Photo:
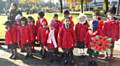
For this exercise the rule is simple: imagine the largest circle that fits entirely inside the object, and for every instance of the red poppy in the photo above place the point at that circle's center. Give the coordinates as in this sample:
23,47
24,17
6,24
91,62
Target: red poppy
100,43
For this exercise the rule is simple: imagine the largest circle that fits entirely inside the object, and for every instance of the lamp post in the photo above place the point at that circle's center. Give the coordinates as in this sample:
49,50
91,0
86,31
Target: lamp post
118,8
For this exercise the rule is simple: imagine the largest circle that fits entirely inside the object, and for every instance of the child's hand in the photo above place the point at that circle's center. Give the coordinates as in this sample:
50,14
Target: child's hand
27,41
10,42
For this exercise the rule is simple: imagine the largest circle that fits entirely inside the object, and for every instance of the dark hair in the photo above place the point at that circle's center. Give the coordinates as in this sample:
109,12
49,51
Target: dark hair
66,12
55,15
41,13
31,18
24,19
13,4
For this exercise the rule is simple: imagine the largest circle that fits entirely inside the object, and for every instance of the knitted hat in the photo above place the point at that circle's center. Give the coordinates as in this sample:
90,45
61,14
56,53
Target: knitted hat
18,17
53,23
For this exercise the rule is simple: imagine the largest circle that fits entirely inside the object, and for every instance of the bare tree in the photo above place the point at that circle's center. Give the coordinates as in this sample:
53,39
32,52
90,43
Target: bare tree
61,6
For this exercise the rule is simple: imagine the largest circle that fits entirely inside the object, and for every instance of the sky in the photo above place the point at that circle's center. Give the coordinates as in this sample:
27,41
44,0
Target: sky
96,0
52,1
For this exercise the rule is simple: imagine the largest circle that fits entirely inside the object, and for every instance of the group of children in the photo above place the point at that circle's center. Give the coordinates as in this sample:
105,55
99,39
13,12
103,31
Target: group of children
57,34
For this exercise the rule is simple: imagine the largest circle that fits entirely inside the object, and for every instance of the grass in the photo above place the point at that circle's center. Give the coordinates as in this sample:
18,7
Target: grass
47,15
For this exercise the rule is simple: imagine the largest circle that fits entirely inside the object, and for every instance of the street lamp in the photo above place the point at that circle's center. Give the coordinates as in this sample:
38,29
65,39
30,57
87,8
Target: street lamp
118,8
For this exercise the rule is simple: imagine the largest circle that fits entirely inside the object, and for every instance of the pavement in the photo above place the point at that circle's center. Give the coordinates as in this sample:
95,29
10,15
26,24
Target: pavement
38,61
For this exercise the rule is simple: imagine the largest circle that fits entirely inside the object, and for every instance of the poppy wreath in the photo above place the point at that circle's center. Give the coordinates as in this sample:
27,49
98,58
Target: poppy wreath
101,44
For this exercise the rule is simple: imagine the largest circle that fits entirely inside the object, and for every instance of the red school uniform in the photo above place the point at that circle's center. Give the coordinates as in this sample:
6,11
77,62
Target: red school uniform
81,30
42,35
11,35
38,22
111,29
66,38
24,36
32,29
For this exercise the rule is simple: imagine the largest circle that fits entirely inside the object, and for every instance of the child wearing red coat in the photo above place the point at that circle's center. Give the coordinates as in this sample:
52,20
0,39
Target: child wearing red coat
111,29
42,37
32,29
52,43
93,31
67,14
11,38
57,25
24,37
40,19
81,29
67,40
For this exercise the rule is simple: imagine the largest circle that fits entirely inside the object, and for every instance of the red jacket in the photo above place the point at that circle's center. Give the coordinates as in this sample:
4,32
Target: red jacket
24,36
111,29
81,30
89,36
38,23
66,38
42,35
11,36
32,33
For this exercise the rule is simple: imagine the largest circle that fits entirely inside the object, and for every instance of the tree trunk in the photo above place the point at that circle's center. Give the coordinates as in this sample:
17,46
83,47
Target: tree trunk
61,6
105,5
82,5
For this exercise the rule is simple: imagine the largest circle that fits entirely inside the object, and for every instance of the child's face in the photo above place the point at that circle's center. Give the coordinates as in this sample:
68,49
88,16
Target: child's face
23,22
17,21
51,27
82,18
44,23
56,18
29,21
67,21
110,16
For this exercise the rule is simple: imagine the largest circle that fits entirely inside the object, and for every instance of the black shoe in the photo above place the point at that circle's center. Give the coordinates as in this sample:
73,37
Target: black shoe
65,62
31,55
27,56
14,57
11,56
72,62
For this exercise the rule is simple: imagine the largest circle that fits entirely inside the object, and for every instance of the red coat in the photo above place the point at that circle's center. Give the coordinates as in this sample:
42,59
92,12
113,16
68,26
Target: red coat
81,30
42,35
89,36
32,33
38,23
11,36
101,24
24,36
67,38
111,29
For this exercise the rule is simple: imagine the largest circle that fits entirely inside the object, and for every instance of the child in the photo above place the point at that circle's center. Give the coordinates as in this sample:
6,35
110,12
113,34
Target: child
96,17
11,38
67,14
111,29
67,40
24,37
81,29
52,41
57,26
42,36
32,29
93,31
41,15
